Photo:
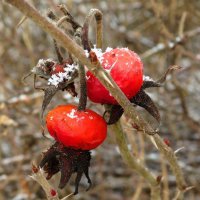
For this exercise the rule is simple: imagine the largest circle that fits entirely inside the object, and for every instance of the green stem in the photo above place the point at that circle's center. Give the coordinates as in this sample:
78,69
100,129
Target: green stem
133,163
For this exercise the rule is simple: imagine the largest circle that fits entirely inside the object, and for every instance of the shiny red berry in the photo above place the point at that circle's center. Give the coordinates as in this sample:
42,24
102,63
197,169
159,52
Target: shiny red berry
83,130
126,69
57,69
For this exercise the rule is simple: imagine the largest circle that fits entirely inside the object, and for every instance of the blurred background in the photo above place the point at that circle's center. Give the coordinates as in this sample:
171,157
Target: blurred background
163,33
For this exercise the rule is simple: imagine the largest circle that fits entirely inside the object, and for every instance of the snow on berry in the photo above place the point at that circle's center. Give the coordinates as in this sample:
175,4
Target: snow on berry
72,114
83,130
59,77
126,69
147,78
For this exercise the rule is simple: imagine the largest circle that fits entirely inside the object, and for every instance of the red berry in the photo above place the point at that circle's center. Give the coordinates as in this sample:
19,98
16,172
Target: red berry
58,68
126,70
83,130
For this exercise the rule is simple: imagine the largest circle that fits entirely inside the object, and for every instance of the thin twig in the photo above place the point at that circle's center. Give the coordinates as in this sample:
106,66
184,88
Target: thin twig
182,24
170,45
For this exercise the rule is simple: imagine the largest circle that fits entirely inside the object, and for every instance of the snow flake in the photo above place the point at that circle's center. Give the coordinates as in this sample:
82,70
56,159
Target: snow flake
51,118
125,48
42,62
147,78
86,53
91,117
108,49
98,53
61,76
72,114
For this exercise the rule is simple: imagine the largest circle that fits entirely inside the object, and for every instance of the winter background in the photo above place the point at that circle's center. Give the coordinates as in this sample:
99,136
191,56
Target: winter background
163,33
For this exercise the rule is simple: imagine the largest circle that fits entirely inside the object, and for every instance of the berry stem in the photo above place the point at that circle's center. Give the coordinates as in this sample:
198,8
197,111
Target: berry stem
99,30
70,19
59,56
83,89
52,16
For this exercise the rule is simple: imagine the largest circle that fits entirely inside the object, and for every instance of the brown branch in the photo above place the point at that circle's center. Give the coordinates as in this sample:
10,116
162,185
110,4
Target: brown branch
105,79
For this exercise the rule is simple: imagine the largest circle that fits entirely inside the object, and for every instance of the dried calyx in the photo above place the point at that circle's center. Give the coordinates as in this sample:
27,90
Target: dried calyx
59,158
60,76
141,99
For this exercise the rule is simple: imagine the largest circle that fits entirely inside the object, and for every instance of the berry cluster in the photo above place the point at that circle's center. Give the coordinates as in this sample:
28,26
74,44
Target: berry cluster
75,129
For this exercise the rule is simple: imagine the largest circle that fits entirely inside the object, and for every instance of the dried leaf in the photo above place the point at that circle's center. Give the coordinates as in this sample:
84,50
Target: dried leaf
148,84
7,121
113,115
49,92
142,99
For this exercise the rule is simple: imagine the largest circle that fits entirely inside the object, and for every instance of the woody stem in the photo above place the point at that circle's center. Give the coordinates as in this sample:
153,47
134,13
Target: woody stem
99,32
83,88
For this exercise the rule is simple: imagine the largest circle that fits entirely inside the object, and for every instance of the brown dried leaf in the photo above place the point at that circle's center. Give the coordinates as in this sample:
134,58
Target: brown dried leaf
7,121
142,99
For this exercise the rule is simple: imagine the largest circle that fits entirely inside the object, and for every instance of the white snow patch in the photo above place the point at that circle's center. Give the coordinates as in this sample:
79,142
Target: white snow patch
42,62
171,44
80,118
51,118
125,48
72,114
98,53
147,78
67,96
61,76
108,49
86,53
